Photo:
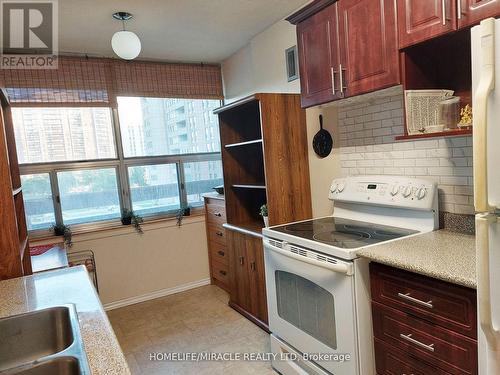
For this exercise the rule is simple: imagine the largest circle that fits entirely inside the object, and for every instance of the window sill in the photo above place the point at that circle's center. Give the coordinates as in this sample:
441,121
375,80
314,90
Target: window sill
106,229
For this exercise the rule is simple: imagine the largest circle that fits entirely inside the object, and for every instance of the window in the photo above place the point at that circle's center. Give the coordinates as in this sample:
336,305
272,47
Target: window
45,135
200,178
88,195
161,123
154,188
80,167
38,202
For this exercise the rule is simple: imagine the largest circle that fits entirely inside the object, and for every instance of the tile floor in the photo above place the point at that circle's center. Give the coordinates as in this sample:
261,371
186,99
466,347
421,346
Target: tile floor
198,320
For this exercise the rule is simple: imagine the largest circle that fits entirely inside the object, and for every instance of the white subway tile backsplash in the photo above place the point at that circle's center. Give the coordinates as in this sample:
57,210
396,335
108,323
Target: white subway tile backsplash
367,146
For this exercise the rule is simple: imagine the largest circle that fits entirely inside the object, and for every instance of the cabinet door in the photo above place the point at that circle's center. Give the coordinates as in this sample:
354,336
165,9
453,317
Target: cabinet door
240,282
258,301
420,20
471,12
318,57
368,41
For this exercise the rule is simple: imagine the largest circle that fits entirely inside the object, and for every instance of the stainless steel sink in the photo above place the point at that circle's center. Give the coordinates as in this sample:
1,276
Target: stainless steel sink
59,366
45,341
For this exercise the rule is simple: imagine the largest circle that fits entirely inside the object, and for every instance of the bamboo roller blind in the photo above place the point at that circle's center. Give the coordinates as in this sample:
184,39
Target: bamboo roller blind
98,81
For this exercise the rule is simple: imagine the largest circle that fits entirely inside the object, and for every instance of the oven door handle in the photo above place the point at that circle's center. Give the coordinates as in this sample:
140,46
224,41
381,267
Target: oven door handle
336,267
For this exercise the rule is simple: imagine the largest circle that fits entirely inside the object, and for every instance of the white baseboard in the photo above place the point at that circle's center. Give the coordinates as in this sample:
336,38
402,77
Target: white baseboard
155,294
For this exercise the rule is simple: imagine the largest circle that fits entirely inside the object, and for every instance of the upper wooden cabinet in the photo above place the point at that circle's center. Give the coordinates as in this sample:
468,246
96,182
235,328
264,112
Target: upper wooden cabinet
420,20
317,39
368,40
346,48
471,12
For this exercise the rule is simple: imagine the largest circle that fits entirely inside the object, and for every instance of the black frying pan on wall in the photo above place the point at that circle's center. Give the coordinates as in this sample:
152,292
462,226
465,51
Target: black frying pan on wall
322,141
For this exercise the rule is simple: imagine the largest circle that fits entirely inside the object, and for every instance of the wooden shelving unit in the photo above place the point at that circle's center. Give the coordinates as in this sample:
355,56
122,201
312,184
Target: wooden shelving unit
15,259
449,133
264,157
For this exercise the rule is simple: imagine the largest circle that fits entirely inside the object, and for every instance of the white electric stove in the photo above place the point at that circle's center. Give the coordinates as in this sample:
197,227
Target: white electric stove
318,289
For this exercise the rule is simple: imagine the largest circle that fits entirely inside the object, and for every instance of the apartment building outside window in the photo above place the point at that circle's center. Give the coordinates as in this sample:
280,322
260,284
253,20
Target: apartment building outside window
86,164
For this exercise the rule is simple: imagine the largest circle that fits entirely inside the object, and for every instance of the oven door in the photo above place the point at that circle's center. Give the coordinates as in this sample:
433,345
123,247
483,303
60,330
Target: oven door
311,303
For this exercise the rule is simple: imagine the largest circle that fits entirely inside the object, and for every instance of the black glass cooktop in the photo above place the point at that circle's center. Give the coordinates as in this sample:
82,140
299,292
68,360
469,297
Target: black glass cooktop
343,233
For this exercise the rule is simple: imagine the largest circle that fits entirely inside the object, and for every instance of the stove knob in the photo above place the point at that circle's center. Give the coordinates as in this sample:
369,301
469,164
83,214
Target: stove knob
394,190
341,187
407,191
422,192
333,188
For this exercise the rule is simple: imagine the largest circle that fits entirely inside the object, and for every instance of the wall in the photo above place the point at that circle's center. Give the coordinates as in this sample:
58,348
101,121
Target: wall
132,267
366,130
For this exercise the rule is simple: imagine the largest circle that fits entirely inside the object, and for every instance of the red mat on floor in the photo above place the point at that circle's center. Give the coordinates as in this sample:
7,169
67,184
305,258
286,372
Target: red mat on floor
39,250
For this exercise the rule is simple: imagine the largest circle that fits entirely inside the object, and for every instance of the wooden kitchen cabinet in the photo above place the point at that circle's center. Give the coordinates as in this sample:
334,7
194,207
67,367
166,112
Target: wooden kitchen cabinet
319,57
369,48
346,48
422,325
421,20
471,12
248,287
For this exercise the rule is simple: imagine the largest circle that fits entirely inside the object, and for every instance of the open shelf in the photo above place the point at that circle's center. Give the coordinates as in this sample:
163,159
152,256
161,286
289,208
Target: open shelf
17,190
243,186
247,143
449,133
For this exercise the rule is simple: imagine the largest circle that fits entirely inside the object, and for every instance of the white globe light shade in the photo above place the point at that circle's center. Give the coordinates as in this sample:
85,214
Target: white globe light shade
126,44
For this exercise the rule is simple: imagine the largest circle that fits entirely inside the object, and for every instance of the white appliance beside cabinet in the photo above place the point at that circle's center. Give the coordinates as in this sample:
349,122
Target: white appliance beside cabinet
318,289
486,125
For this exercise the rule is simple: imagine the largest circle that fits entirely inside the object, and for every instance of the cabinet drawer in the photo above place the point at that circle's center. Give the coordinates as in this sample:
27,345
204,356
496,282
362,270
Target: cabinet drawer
216,214
220,272
392,361
218,252
450,306
216,233
428,342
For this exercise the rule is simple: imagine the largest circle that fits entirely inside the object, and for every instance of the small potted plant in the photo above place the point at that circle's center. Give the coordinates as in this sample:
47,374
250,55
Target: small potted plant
264,214
131,218
65,232
183,211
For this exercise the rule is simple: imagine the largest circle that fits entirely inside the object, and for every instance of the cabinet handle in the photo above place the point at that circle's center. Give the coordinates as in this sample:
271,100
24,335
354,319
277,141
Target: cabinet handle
407,297
220,234
443,3
332,72
252,266
341,79
218,214
408,338
242,260
221,253
223,273
459,9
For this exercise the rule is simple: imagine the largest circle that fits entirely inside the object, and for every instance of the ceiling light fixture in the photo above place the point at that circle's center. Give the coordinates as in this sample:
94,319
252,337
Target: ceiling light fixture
125,44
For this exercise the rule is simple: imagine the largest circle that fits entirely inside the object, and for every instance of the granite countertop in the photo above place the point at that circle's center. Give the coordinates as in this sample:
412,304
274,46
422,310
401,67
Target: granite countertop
69,285
214,195
442,254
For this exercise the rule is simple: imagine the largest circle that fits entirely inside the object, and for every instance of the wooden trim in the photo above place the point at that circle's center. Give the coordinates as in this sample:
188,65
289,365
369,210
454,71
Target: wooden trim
309,10
449,133
249,316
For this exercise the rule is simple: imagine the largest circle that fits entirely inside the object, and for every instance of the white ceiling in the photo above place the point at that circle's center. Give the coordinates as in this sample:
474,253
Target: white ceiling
170,30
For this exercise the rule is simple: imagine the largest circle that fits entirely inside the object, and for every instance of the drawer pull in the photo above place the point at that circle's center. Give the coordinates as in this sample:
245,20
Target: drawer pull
416,342
220,234
242,260
223,273
218,214
221,253
407,297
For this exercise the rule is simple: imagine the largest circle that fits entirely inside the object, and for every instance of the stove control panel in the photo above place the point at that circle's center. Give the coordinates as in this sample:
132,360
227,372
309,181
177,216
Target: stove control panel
404,192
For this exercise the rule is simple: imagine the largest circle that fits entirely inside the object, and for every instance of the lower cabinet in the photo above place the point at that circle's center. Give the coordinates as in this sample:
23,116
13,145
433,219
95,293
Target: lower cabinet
422,326
246,269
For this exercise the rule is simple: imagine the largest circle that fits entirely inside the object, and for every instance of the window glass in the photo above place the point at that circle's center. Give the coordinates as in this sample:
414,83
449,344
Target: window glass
154,188
89,195
157,126
38,203
200,178
46,135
